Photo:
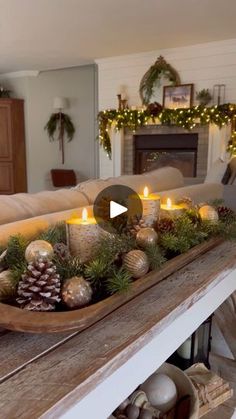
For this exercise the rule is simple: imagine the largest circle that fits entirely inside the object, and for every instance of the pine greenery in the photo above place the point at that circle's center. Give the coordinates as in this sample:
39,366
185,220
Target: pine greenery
119,281
155,257
54,234
69,267
15,255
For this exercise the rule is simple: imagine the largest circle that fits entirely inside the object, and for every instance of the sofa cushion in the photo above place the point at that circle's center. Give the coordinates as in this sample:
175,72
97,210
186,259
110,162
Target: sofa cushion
91,188
31,227
198,193
157,180
22,206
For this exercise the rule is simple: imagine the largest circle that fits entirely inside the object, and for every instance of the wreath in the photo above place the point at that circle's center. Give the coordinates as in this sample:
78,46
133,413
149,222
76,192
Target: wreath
152,77
63,125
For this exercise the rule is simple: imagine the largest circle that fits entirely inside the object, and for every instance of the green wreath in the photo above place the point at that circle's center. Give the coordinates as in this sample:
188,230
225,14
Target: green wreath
152,77
62,124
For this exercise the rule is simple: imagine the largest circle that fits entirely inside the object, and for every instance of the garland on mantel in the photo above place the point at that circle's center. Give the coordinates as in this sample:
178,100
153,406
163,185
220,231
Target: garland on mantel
185,117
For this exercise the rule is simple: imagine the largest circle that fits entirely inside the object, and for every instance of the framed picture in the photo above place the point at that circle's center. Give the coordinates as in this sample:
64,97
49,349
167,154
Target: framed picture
180,96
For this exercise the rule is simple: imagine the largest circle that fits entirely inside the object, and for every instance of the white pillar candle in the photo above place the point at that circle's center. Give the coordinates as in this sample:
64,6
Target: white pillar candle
184,351
151,207
83,236
171,210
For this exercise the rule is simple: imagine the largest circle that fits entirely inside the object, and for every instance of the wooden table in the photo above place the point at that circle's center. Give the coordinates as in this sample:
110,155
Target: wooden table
86,375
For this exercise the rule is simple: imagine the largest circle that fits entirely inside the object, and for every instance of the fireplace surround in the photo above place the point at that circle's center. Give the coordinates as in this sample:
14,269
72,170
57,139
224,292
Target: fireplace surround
156,146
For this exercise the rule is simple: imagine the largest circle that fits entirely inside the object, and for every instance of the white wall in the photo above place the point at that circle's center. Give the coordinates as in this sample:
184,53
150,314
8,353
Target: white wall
78,85
204,65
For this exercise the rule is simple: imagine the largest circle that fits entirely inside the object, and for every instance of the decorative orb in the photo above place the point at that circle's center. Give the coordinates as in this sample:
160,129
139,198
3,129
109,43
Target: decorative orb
146,237
76,292
38,249
136,262
7,288
132,411
161,391
208,213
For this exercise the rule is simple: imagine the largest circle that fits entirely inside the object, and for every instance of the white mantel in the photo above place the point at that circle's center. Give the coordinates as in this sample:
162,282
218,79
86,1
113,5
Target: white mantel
204,65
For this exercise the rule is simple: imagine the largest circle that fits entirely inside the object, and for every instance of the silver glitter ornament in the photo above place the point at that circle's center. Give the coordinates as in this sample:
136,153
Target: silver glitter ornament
146,237
76,292
208,213
38,249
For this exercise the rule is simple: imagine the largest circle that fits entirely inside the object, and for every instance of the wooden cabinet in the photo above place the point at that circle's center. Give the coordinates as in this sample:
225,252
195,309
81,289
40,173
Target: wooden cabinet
12,147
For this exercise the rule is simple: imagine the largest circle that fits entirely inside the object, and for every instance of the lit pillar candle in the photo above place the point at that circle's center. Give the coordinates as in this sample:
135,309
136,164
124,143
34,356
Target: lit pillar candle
171,210
83,236
151,207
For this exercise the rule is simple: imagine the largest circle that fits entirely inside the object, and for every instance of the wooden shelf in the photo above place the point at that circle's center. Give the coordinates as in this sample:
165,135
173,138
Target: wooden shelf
88,374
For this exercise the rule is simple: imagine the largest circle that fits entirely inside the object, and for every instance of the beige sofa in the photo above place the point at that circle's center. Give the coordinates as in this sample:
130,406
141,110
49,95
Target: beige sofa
30,213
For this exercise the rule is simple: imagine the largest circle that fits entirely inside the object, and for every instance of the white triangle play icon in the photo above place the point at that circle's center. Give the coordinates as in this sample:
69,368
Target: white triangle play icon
116,209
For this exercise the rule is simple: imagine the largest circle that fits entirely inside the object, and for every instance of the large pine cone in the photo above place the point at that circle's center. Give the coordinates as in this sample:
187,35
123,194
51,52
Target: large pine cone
135,224
225,213
39,288
165,225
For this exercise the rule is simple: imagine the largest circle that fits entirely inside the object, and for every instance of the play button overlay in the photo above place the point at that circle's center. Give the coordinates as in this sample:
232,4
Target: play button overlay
115,207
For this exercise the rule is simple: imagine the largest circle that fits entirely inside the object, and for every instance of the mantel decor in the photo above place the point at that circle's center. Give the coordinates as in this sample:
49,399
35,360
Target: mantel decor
41,282
153,76
186,118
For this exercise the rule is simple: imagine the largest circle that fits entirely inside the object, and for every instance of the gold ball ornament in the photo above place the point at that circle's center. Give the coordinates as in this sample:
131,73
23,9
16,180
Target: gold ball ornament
146,236
76,292
7,287
38,249
136,263
208,213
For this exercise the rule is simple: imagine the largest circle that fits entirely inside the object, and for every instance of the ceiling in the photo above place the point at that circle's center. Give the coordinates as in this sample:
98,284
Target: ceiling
49,34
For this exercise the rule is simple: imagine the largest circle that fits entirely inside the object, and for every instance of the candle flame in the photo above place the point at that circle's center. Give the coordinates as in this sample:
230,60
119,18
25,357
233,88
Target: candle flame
145,192
84,214
168,203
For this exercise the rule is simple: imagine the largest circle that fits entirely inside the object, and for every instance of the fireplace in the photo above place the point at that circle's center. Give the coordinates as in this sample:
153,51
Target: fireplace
159,150
161,145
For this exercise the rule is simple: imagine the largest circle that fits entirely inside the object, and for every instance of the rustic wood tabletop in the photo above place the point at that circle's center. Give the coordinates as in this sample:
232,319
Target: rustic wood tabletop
45,375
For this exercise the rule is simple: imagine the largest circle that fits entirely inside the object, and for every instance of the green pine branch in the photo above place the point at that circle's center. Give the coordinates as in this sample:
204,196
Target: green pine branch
120,281
155,257
54,234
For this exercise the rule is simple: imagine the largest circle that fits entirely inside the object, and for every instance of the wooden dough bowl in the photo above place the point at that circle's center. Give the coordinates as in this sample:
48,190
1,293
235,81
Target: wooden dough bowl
16,319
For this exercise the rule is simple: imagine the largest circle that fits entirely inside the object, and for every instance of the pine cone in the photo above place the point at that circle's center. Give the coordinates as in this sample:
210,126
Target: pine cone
61,250
135,224
225,213
165,225
39,288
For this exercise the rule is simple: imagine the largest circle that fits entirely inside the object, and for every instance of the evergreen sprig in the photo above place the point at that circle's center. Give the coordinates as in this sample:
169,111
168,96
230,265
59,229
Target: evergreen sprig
54,234
69,267
155,257
97,270
15,255
119,281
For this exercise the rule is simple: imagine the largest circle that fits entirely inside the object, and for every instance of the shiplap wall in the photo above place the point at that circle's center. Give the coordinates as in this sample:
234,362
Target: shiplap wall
204,65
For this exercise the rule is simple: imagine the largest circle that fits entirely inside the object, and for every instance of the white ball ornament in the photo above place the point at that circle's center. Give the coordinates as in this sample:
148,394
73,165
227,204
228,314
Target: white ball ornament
208,213
38,249
161,391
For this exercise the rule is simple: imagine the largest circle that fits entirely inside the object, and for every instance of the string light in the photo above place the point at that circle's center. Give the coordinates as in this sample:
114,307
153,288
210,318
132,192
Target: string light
185,118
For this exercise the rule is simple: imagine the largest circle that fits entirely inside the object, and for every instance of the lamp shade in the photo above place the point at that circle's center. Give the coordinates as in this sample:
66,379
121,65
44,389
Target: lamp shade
60,103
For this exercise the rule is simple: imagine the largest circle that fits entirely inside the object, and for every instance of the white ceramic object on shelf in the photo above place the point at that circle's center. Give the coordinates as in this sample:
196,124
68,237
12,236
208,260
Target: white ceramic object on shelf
161,391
